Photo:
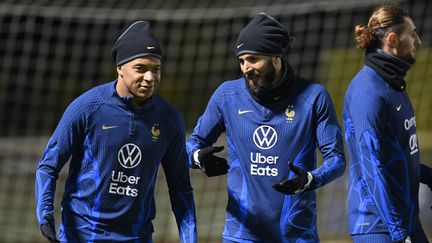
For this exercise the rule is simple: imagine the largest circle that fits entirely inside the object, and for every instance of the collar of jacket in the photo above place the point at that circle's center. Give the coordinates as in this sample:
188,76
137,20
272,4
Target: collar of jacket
391,68
279,92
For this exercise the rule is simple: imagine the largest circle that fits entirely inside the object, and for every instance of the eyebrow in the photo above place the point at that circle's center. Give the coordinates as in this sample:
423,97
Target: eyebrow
147,65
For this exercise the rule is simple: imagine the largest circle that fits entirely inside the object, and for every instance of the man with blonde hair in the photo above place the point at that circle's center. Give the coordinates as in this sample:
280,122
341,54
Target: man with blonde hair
380,131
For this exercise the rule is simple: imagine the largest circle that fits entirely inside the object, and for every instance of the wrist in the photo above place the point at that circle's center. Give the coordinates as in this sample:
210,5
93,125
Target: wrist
408,239
195,157
310,179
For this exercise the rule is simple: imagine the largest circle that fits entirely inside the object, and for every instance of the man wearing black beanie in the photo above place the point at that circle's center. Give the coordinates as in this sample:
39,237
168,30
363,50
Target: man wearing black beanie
116,136
273,120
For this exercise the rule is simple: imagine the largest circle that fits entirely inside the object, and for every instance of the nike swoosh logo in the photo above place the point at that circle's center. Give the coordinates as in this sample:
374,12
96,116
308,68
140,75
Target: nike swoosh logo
240,112
104,127
150,47
238,46
398,107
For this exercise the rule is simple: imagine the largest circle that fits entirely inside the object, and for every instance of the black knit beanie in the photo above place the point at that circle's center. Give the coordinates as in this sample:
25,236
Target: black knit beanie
135,42
264,35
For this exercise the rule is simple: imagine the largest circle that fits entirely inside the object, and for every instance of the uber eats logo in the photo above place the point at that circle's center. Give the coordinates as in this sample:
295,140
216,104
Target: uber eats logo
129,156
265,137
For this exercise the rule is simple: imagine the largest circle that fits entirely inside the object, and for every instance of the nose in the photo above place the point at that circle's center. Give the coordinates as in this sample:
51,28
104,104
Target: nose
246,67
149,76
417,40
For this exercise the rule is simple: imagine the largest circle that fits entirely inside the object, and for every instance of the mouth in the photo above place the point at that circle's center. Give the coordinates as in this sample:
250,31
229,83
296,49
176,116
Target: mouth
145,88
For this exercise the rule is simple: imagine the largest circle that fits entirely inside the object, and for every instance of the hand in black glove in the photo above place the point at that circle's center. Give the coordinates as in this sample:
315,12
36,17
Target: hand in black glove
211,165
299,183
48,229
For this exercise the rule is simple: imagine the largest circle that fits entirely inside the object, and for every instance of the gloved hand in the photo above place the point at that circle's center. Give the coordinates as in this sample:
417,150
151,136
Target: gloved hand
299,183
210,164
48,229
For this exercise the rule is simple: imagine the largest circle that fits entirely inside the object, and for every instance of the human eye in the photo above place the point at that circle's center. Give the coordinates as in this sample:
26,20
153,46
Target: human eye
252,59
138,68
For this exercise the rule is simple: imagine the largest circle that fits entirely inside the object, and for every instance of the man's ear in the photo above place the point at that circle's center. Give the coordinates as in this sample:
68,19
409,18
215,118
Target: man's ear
119,70
277,62
392,40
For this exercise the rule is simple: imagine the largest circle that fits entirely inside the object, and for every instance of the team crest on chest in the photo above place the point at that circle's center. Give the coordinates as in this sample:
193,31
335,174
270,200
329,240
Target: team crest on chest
290,113
155,132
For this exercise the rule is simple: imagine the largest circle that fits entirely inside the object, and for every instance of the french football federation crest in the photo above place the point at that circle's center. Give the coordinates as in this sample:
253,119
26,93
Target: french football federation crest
155,132
290,113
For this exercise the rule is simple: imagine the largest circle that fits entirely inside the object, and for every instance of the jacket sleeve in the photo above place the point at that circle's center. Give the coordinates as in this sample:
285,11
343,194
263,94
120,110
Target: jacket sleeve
372,138
330,142
67,135
208,128
176,169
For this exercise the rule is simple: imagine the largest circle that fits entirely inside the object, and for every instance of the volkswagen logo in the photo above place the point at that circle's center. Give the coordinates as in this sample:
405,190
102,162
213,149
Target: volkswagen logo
129,156
265,137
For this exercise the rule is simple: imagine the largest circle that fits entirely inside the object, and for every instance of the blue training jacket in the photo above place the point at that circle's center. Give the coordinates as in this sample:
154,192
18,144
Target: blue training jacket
380,131
115,152
261,141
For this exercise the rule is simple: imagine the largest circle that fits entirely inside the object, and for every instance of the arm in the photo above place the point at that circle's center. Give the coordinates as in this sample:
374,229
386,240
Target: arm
209,127
330,142
57,153
376,162
176,170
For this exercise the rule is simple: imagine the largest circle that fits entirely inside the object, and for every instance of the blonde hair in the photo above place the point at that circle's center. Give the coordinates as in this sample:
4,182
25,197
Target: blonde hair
385,19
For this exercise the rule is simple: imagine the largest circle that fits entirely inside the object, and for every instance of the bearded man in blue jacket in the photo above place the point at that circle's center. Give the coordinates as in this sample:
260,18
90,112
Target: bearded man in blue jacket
380,131
274,120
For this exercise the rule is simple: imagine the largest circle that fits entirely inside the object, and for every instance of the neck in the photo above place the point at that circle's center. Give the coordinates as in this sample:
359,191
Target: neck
391,68
123,91
121,88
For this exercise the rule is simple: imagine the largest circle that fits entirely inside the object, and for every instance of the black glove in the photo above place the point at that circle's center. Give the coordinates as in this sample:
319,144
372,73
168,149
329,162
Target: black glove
211,165
299,183
48,229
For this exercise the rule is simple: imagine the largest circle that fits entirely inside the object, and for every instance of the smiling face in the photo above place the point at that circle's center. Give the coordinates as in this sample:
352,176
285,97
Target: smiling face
259,71
139,78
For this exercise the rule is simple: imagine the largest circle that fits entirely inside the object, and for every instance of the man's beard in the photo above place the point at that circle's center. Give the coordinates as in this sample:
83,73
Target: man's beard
261,84
410,59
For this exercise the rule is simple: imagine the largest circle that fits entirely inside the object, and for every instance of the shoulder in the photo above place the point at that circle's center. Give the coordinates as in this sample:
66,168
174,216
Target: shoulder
167,110
230,88
361,97
307,88
368,79
368,84
90,100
